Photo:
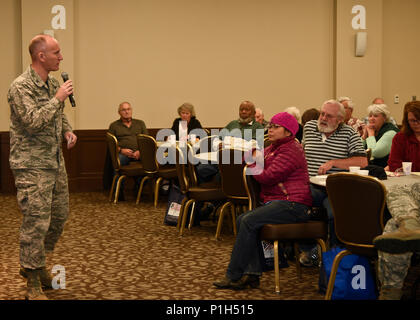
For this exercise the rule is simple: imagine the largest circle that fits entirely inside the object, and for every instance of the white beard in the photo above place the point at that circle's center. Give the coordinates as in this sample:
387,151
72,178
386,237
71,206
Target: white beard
326,128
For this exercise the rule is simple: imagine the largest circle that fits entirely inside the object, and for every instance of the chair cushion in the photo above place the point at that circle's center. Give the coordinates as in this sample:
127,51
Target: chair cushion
132,169
205,194
294,231
167,172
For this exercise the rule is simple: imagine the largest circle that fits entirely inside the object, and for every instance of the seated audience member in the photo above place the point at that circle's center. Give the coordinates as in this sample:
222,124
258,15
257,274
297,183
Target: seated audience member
296,113
353,122
406,143
246,123
330,146
379,100
186,113
126,130
401,235
259,117
310,114
245,127
378,134
284,169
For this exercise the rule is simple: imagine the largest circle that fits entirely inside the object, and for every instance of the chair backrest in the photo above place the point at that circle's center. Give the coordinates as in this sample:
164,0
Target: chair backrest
358,204
267,142
181,169
190,166
253,189
231,168
148,147
113,150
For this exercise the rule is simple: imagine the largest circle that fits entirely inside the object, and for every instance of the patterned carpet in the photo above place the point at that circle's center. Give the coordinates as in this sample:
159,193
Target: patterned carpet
125,252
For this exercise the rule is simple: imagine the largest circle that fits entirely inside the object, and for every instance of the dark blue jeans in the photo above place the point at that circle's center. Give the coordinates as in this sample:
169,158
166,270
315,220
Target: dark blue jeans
124,160
206,171
247,250
320,199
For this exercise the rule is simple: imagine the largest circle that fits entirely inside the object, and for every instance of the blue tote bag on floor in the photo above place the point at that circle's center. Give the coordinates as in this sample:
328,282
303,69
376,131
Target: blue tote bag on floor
354,279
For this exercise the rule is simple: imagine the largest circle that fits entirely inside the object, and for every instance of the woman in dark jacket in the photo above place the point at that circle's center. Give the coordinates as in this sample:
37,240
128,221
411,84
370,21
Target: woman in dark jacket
186,113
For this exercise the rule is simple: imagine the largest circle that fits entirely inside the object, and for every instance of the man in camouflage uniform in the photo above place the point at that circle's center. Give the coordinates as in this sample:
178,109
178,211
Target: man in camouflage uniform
400,239
37,127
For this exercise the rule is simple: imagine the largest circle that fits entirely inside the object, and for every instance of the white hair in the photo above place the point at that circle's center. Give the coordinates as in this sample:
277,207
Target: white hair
349,101
341,110
379,108
259,109
294,112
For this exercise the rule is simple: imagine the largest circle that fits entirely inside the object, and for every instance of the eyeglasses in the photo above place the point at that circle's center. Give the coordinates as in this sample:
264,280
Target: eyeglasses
273,126
413,121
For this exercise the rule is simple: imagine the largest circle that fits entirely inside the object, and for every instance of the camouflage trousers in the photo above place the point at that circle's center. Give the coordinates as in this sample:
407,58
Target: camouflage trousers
403,202
43,198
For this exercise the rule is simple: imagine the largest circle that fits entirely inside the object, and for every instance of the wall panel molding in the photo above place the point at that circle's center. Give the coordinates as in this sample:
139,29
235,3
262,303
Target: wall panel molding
84,163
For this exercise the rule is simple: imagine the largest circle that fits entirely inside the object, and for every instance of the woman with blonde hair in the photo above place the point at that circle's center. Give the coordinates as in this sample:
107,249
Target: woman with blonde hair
187,113
378,134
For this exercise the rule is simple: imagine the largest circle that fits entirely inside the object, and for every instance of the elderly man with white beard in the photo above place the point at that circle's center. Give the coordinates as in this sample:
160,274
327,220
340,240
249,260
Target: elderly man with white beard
330,146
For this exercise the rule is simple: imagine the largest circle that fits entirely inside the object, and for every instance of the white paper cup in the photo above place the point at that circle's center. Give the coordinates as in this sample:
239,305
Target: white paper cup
172,139
227,141
354,169
192,137
407,168
363,172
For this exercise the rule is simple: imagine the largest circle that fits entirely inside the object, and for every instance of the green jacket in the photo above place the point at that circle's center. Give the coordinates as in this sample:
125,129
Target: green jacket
236,129
127,137
37,122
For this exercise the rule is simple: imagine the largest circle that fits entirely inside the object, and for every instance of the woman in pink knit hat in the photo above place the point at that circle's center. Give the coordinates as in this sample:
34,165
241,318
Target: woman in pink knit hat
286,196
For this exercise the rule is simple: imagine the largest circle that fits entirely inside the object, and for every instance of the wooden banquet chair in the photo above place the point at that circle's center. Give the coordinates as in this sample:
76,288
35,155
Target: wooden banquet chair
290,232
133,169
358,204
231,168
189,187
152,169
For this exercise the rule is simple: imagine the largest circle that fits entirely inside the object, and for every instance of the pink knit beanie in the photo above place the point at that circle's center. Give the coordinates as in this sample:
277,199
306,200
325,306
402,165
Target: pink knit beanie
287,121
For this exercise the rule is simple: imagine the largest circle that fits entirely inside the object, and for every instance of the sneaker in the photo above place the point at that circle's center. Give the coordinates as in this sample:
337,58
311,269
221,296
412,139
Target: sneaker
309,258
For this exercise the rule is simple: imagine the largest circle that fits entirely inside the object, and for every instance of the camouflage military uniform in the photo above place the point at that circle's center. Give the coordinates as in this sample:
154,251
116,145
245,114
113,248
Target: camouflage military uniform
37,127
403,203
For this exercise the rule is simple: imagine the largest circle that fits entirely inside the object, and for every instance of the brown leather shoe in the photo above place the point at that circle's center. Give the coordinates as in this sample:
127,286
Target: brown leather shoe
251,281
224,283
248,280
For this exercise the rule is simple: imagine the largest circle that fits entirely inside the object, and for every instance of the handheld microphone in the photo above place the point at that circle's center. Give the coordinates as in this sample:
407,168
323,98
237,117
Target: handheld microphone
65,77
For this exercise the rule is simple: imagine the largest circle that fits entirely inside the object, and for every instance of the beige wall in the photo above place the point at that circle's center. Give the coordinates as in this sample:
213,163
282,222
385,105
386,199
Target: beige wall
32,27
359,77
215,53
10,57
401,62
